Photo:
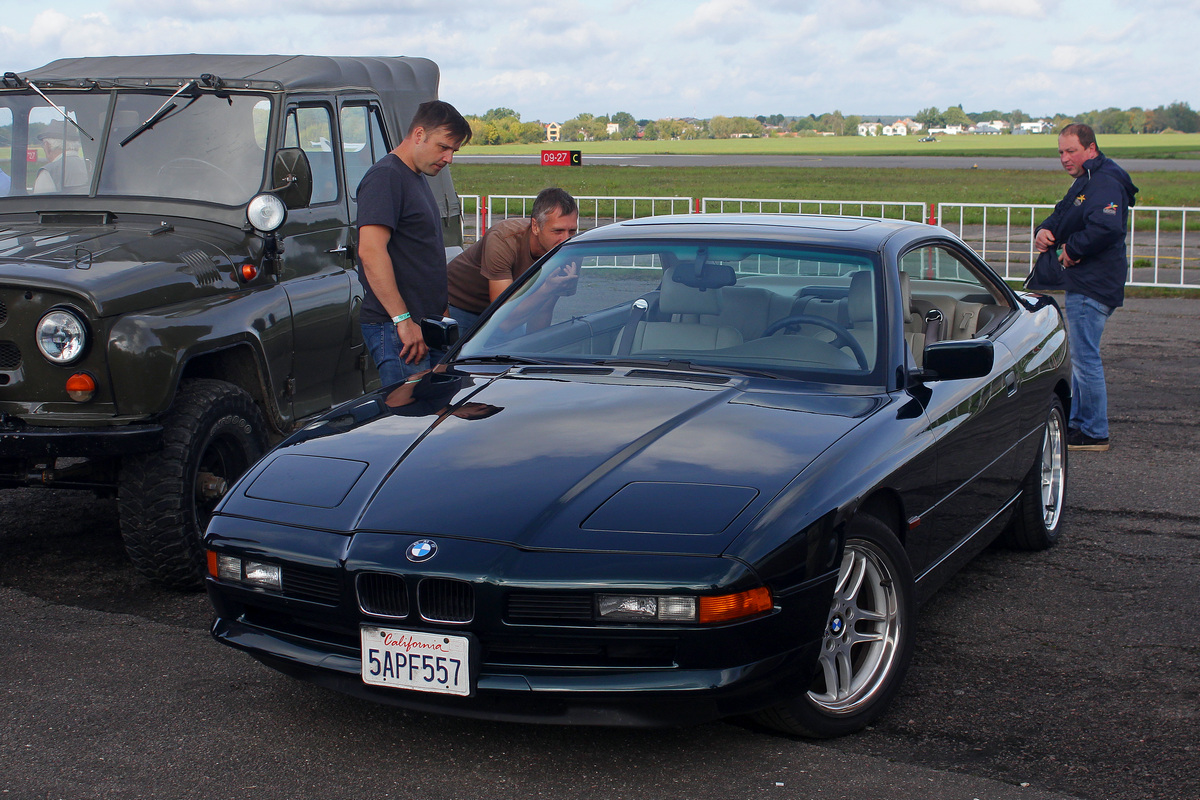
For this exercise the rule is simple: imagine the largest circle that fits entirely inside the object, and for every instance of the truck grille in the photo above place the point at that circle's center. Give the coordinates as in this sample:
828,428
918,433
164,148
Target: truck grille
10,356
3,313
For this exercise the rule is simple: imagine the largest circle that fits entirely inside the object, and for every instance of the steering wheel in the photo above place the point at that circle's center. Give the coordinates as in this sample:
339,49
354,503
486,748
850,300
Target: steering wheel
840,334
185,163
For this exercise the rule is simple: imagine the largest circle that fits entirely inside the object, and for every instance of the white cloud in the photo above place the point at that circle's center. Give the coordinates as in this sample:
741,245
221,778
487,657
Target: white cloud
556,58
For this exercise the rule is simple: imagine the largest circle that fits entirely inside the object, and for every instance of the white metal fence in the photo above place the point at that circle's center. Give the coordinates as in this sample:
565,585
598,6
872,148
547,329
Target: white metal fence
1161,251
1158,246
882,209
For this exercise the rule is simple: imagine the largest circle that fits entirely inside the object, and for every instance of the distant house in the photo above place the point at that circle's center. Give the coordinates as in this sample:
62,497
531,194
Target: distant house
868,128
612,128
987,128
949,130
553,131
911,125
1037,126
895,129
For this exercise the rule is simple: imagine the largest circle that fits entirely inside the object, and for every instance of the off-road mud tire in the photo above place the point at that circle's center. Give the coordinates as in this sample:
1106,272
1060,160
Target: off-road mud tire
213,429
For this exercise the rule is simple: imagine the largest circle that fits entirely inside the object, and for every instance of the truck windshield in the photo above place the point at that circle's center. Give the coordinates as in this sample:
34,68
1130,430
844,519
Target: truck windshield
201,147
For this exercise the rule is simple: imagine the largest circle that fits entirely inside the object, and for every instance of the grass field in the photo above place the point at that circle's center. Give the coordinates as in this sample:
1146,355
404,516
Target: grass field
1045,145
799,183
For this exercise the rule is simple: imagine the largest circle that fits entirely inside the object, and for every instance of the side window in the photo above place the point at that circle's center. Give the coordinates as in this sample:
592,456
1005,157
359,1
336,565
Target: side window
942,280
363,142
311,129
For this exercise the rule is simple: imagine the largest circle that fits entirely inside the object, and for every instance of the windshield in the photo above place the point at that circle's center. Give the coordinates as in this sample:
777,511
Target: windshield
755,308
197,146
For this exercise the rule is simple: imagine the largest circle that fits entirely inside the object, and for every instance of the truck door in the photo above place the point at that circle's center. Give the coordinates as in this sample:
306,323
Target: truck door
316,271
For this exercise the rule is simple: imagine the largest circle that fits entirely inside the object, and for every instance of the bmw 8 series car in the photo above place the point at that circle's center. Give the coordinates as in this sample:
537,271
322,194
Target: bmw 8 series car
685,468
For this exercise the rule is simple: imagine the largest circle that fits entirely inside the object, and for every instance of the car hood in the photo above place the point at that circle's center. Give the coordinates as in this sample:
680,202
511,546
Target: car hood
616,462
115,268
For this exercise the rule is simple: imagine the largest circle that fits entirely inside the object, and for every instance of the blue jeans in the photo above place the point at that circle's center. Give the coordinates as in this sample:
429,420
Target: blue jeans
1089,403
383,343
466,319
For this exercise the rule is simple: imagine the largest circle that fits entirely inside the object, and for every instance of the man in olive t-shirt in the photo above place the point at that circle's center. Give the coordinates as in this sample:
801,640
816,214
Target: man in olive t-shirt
484,270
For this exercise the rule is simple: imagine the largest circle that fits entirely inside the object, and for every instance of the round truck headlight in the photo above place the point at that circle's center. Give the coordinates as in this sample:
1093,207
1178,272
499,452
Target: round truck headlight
266,213
61,336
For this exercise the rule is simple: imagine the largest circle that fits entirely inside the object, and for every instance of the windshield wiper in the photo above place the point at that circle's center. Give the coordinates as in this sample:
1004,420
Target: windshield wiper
498,358
675,365
17,78
156,117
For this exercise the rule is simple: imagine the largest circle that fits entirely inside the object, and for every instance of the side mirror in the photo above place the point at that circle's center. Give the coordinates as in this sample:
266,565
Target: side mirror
291,177
440,333
952,360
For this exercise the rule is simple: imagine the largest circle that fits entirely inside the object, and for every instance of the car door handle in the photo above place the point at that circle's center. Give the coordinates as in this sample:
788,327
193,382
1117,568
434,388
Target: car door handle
342,249
1010,382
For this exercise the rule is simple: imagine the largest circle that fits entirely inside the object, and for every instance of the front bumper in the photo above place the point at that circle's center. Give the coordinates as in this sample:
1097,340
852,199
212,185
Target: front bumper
30,442
633,698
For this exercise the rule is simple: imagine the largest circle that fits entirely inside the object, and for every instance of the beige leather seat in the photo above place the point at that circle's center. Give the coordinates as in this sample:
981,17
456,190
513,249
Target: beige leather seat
686,305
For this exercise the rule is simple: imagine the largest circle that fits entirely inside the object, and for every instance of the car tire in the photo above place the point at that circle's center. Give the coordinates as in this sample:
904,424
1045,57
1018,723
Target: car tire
1038,521
868,639
211,436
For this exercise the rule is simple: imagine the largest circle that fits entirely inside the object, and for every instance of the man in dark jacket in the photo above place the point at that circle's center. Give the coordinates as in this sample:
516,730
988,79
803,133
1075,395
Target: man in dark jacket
1087,229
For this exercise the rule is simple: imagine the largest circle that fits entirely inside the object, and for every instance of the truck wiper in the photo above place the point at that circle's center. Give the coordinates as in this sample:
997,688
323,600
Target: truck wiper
12,76
163,110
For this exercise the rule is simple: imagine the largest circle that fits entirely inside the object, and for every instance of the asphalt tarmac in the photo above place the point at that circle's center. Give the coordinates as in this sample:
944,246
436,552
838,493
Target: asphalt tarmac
1073,673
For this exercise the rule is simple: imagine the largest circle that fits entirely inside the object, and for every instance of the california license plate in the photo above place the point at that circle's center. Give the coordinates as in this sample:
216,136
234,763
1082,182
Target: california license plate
425,662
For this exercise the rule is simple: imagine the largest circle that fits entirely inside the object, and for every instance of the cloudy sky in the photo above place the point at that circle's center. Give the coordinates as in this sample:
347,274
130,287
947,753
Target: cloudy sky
660,58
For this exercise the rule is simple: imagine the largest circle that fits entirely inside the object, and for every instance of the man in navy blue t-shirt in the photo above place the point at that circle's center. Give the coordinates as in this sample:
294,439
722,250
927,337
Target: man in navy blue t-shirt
401,257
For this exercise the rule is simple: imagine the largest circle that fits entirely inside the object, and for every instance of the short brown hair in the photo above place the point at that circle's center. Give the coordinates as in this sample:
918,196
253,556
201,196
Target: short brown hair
434,114
1082,132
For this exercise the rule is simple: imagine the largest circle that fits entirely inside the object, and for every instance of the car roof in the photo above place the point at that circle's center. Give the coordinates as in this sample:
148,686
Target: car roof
278,72
816,229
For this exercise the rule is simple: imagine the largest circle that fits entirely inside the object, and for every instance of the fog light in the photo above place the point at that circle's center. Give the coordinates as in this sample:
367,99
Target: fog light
229,568
249,272
677,609
264,575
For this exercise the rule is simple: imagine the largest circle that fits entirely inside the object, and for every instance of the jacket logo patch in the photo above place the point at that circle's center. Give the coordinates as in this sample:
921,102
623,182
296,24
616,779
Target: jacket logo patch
1079,200
1111,208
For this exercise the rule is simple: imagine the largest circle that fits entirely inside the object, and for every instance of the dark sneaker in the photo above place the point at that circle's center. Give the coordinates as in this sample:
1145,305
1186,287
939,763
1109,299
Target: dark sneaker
1078,440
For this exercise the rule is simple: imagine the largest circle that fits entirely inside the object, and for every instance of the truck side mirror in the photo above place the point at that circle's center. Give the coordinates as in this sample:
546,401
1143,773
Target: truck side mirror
291,177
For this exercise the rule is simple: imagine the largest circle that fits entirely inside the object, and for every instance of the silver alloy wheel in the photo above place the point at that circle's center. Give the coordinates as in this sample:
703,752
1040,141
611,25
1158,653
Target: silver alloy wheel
1053,471
863,632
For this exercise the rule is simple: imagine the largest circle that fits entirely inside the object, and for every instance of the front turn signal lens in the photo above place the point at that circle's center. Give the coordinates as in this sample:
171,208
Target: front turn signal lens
730,607
81,387
249,272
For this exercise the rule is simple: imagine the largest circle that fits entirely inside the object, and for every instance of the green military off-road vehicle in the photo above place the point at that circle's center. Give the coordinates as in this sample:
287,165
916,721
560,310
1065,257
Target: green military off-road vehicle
177,284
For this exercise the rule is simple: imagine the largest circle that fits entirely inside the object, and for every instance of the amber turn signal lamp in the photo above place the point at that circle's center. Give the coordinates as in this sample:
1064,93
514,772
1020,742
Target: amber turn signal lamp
81,387
212,563
729,607
249,272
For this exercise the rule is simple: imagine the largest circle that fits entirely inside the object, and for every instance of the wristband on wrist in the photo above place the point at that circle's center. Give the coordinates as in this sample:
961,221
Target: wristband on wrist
396,320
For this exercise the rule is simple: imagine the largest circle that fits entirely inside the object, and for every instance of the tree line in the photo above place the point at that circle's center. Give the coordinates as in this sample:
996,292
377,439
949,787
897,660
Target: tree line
504,125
